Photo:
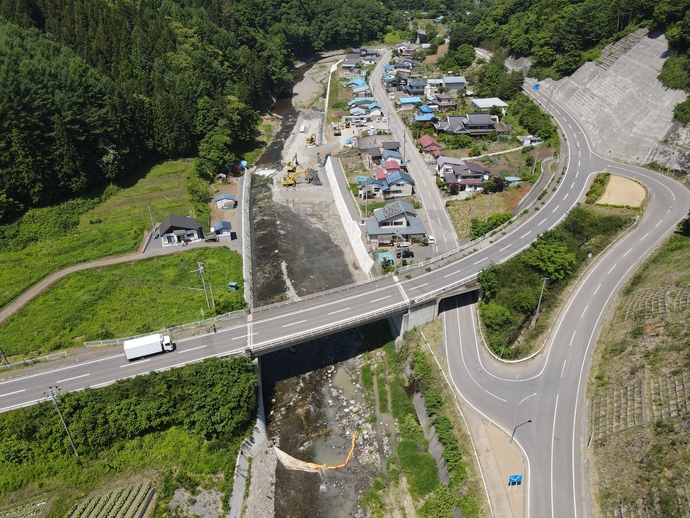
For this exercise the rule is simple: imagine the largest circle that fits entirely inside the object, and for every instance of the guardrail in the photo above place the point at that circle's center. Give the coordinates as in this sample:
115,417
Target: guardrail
32,361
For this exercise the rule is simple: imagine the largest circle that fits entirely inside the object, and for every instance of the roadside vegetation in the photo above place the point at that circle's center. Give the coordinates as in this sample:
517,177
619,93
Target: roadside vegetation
411,468
638,391
125,299
185,425
530,285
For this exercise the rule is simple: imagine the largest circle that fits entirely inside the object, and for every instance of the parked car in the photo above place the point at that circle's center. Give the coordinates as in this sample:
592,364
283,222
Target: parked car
430,240
405,254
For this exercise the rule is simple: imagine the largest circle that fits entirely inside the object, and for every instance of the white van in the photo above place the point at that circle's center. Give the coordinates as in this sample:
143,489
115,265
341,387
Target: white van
302,128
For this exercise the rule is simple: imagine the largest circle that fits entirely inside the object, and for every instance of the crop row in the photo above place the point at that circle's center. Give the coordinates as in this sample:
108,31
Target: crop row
22,508
125,502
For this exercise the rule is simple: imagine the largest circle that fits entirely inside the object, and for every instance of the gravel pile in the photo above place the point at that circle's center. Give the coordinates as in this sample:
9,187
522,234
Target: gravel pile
313,177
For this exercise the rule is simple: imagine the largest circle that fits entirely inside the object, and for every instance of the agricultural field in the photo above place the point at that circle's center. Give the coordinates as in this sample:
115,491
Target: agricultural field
125,502
111,222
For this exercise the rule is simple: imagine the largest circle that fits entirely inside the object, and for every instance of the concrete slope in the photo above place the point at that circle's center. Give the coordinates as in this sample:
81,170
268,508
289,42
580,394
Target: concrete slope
626,110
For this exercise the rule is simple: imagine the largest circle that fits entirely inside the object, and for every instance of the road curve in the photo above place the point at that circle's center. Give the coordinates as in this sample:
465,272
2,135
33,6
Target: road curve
544,398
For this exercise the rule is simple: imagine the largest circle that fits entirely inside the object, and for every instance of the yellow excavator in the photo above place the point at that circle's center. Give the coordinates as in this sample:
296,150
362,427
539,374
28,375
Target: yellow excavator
337,131
292,166
291,181
311,139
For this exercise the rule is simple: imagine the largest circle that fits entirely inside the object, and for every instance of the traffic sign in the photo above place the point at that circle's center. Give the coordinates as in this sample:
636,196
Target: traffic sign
514,480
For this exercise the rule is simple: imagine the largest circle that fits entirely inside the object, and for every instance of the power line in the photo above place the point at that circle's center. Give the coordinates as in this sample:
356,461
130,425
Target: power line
51,394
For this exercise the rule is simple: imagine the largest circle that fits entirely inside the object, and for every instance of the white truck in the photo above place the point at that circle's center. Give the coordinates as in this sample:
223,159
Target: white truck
147,345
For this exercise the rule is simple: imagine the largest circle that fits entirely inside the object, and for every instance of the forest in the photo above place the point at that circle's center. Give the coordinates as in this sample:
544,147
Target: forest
92,89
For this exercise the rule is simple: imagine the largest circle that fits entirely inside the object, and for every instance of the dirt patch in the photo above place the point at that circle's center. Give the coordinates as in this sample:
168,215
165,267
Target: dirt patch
442,51
205,503
623,191
309,92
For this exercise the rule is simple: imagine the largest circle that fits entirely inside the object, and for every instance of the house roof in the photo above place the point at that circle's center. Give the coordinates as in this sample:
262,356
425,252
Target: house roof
443,160
428,142
449,177
356,81
173,223
375,152
488,103
389,154
360,89
476,168
426,109
393,145
398,177
371,106
391,165
478,118
512,179
427,117
371,181
393,210
381,173
221,197
360,99
357,111
414,227
416,84
454,80
221,225
409,100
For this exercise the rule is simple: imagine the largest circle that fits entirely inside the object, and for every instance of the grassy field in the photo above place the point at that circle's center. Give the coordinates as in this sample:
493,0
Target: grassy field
645,350
48,239
121,300
114,301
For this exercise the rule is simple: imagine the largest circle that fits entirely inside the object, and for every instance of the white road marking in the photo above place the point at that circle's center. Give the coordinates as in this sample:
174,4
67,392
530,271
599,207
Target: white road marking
61,369
382,298
578,163
507,246
74,378
339,311
415,287
570,126
294,323
542,221
15,392
451,274
480,260
564,197
657,224
243,336
573,185
626,253
669,210
585,311
611,269
528,233
644,236
595,291
137,363
554,210
553,439
563,369
572,338
577,173
192,349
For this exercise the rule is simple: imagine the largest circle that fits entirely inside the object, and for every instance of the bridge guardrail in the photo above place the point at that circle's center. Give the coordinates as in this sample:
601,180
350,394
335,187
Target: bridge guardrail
31,361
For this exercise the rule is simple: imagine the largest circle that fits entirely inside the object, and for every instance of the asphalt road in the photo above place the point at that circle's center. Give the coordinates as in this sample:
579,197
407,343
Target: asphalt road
438,221
553,440
543,400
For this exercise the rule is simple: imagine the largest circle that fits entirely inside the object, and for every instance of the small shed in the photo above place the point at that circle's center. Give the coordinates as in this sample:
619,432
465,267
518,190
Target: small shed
222,228
224,201
385,258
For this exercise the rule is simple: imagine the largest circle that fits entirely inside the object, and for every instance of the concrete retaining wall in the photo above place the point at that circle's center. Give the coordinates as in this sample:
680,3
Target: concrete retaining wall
351,227
247,269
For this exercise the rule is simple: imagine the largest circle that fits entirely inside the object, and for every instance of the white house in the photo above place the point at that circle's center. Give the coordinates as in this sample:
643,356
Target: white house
176,230
485,105
224,201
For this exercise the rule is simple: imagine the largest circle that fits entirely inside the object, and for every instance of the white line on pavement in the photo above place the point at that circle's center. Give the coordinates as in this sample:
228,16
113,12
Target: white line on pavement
294,323
74,378
137,363
339,311
378,300
15,392
192,349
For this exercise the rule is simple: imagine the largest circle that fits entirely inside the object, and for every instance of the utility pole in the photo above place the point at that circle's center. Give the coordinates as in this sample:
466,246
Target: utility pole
3,357
544,279
536,157
200,271
516,416
51,394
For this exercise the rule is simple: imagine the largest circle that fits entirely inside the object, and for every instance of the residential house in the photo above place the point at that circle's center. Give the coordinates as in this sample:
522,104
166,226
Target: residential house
224,201
177,230
427,117
445,102
393,185
485,105
391,155
415,88
430,146
392,145
222,228
375,154
468,175
361,90
396,221
472,124
356,82
529,140
351,61
455,83
408,103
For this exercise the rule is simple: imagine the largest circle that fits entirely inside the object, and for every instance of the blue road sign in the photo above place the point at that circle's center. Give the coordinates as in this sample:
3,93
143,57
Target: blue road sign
514,480
536,86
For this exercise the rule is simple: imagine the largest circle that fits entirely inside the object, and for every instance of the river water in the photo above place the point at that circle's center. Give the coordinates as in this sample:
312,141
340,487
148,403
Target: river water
312,399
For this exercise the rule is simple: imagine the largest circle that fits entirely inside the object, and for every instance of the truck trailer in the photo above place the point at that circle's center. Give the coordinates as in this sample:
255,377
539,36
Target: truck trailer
147,345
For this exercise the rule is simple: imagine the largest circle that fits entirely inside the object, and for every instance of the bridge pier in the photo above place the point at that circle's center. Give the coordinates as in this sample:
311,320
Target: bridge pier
419,315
